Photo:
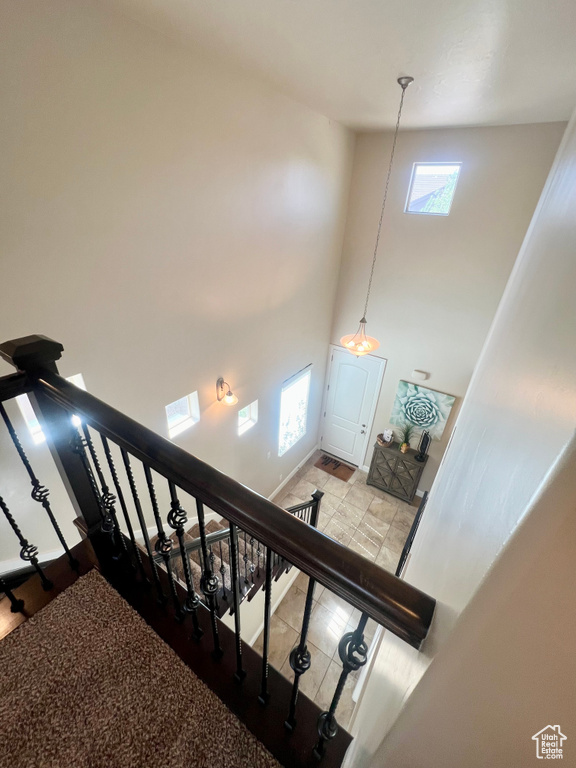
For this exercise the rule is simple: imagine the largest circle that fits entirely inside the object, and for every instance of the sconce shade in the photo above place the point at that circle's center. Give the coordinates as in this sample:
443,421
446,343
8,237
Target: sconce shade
224,393
358,343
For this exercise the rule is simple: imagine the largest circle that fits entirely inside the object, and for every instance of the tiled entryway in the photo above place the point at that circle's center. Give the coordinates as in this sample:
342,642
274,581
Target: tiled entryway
363,518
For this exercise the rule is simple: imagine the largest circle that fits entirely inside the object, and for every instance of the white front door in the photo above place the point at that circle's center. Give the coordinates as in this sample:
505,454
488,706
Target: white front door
353,389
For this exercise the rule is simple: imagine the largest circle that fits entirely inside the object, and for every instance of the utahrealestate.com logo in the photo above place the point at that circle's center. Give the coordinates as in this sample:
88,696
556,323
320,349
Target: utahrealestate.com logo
549,743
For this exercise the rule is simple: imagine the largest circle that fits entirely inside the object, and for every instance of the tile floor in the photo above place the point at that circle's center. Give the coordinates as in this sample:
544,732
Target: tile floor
361,517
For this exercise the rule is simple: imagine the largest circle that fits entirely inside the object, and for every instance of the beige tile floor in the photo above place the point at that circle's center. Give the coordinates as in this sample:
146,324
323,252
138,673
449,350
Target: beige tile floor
361,517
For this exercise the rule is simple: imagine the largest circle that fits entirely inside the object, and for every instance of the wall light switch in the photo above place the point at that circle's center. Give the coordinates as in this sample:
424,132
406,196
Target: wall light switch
421,375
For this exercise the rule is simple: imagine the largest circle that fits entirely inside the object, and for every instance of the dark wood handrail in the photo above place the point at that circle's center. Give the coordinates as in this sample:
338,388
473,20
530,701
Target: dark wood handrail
391,602
13,385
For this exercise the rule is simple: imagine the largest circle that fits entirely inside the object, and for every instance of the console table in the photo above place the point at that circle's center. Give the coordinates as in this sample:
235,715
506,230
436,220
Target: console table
395,472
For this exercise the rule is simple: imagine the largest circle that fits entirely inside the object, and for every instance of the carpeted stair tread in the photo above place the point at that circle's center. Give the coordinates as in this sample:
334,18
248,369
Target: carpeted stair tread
86,682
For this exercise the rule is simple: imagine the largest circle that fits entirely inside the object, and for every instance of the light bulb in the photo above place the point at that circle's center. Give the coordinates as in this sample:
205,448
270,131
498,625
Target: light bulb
230,398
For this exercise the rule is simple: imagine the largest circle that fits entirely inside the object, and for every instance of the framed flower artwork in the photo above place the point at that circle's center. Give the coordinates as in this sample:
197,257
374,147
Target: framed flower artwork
424,408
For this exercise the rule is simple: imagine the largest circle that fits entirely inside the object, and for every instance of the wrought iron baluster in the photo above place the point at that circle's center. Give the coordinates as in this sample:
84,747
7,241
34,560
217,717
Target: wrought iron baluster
208,581
124,508
176,519
245,558
222,570
164,544
39,492
142,521
300,656
16,605
240,674
107,498
264,694
353,652
28,552
258,555
252,566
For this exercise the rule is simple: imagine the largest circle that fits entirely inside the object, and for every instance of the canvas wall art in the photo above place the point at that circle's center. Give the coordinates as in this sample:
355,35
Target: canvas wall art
422,407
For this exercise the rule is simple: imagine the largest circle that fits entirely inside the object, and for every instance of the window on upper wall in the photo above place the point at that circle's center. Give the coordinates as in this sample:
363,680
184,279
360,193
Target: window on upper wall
432,188
29,416
182,414
294,409
247,417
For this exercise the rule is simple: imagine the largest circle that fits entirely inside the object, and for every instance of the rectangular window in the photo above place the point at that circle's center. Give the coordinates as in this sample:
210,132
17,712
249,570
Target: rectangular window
182,414
432,188
30,417
247,417
294,409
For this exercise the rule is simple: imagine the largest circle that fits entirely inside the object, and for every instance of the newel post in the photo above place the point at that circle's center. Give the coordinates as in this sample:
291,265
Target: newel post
32,355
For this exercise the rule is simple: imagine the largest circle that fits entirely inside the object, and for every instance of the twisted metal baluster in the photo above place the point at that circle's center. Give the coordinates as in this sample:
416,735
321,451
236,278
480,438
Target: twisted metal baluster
16,606
222,570
240,674
245,558
208,581
123,506
252,566
264,694
142,521
164,544
259,555
107,499
39,492
353,653
300,656
176,519
28,552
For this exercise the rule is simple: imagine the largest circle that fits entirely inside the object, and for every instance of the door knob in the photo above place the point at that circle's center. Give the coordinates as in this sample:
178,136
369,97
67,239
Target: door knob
362,431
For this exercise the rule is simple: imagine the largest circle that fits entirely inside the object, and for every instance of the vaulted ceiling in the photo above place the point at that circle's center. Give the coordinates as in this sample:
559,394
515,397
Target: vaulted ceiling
476,62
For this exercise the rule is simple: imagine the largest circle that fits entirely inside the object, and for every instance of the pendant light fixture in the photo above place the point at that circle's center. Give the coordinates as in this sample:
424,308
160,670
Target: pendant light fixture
358,343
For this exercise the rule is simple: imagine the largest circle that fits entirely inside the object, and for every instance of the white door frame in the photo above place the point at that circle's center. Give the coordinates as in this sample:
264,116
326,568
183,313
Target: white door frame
377,390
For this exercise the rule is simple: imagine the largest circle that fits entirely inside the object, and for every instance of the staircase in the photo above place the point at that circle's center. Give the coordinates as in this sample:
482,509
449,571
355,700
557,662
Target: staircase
181,581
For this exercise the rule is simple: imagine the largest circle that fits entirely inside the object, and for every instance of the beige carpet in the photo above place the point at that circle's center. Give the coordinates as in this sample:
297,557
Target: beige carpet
87,684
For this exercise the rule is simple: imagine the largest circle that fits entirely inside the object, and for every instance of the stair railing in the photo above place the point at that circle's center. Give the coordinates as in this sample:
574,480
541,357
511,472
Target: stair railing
160,476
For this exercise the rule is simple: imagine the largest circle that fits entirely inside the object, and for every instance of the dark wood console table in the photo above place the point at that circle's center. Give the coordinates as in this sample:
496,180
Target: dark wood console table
395,472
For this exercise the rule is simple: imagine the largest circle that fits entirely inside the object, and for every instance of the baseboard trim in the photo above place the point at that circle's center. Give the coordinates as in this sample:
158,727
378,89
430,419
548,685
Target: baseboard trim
296,468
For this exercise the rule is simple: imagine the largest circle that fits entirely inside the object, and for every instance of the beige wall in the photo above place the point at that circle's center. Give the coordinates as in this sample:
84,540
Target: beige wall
504,669
438,279
169,221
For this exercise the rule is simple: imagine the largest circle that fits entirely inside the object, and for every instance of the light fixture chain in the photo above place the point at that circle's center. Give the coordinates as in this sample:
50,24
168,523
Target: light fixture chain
384,200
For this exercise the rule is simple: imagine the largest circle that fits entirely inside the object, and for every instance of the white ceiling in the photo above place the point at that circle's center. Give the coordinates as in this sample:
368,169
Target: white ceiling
476,62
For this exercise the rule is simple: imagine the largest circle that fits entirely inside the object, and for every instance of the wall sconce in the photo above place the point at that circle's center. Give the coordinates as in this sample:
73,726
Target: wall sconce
224,393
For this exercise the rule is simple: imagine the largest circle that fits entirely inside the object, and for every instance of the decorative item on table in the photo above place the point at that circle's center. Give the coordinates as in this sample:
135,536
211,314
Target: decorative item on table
385,438
423,446
422,407
406,433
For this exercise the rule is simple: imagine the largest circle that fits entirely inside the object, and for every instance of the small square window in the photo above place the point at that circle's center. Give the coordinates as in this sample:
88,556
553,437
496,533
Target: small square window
432,188
294,409
182,414
29,416
247,417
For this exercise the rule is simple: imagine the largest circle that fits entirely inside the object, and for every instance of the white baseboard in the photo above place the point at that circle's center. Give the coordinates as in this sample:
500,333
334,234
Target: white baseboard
291,475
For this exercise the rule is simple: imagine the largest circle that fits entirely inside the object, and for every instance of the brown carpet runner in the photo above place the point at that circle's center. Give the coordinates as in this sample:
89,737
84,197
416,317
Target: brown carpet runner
86,683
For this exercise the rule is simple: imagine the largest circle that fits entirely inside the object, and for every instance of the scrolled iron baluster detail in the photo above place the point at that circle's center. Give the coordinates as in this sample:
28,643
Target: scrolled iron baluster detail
245,558
258,555
124,508
141,520
28,552
353,652
177,518
300,658
39,492
222,570
164,544
110,522
252,567
78,445
208,581
16,605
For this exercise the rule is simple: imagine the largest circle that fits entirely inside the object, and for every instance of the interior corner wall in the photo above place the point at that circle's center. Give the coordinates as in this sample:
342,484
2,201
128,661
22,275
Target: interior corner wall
170,221
479,689
438,279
